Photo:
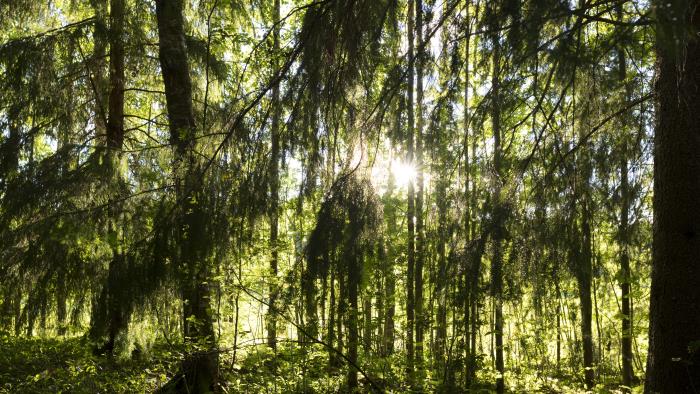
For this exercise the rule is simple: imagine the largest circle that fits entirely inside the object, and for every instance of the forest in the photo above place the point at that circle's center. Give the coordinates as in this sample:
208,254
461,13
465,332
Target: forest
345,196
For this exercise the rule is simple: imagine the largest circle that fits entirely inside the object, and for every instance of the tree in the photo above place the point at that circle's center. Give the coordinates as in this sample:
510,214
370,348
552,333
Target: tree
210,182
674,359
343,231
625,233
274,187
411,325
115,291
498,219
200,368
419,165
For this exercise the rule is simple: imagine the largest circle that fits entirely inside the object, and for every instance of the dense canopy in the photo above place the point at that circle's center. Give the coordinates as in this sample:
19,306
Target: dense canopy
321,196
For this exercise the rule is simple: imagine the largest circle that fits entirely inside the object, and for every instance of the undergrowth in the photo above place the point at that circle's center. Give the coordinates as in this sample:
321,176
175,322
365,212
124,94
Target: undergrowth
51,365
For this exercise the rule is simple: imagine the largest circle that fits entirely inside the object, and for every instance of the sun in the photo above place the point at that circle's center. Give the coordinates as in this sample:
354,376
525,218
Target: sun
403,172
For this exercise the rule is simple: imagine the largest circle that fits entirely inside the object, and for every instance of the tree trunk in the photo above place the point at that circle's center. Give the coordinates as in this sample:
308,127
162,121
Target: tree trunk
100,37
583,257
468,291
389,315
61,295
497,259
442,283
420,231
115,119
17,309
442,280
389,300
625,281
672,367
367,323
341,313
353,281
115,290
475,268
274,191
200,367
411,210
389,250
558,313
624,234
584,279
332,317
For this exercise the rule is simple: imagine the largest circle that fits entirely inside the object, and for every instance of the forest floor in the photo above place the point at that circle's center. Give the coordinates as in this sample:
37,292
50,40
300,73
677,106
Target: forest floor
68,365
50,365
54,365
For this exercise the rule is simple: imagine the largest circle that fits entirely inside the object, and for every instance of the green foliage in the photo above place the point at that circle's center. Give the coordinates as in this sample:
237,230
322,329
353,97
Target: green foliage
121,244
68,366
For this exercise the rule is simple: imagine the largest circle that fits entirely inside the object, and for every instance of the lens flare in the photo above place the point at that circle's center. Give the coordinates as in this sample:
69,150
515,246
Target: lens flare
403,172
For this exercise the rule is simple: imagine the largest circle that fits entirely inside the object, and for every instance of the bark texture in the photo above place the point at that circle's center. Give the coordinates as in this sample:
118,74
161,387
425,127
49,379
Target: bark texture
674,327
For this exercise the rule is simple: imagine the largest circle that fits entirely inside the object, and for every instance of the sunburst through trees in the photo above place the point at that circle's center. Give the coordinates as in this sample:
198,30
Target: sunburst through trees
349,196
